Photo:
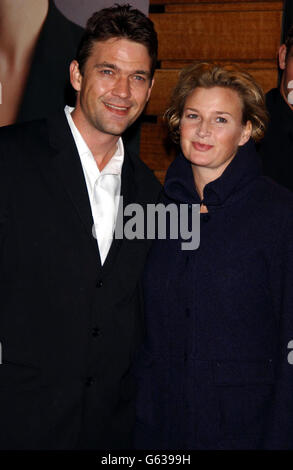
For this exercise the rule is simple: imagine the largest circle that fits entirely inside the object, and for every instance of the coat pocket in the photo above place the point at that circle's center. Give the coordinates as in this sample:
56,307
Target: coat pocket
245,390
19,407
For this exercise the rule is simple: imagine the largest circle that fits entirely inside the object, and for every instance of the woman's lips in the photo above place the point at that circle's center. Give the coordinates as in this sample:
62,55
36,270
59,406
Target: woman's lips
201,147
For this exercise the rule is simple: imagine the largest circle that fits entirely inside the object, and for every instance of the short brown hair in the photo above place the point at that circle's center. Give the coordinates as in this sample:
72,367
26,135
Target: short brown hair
119,21
289,41
208,75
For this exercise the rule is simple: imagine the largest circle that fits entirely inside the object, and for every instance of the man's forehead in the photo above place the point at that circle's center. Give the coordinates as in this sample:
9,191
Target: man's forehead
121,50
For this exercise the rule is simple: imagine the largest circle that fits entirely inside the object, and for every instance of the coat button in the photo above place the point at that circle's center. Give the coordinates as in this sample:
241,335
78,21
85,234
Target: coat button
89,381
205,217
99,283
96,331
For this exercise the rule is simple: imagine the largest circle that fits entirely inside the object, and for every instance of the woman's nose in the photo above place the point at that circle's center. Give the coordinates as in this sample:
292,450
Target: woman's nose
203,129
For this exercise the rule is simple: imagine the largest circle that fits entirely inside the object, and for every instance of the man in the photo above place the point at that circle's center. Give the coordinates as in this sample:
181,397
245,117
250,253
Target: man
70,304
276,148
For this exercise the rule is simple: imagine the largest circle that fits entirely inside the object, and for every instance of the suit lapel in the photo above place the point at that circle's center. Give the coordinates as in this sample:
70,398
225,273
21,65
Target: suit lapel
67,167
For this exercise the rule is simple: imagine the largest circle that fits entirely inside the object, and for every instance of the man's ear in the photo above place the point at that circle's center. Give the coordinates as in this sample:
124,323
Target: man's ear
282,56
75,75
150,89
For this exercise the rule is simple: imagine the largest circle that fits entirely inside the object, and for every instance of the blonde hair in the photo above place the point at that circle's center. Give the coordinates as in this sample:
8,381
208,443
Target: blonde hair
208,75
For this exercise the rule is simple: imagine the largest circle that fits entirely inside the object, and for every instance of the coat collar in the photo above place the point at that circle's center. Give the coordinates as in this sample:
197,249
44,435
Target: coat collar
244,167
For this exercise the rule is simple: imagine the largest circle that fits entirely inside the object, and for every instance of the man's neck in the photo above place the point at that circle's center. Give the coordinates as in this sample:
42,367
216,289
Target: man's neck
103,146
20,24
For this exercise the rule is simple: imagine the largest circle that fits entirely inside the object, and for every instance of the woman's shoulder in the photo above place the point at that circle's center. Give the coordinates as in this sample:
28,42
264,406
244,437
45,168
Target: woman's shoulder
272,205
272,193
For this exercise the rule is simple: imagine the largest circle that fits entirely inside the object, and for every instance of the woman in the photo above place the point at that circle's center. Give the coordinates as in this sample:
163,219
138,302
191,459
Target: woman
215,371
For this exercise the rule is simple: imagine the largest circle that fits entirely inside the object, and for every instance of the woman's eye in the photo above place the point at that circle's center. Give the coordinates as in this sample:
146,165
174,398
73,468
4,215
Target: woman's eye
221,120
192,116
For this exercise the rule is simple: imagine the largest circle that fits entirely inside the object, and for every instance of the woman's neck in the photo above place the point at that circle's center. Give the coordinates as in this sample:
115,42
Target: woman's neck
20,24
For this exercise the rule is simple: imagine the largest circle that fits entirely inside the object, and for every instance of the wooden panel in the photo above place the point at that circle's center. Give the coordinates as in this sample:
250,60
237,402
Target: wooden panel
247,6
156,149
165,81
246,64
227,35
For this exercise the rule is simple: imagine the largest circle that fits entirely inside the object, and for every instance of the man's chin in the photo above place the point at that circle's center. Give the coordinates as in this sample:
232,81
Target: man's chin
116,131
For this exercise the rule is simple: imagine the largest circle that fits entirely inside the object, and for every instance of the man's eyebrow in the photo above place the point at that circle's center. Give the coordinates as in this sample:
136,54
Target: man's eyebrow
106,64
142,72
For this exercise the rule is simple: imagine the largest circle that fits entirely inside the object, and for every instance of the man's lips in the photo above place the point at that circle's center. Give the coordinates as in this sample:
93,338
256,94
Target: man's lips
201,147
116,109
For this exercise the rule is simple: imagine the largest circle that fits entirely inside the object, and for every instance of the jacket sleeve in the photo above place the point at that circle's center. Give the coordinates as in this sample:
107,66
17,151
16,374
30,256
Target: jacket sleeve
279,430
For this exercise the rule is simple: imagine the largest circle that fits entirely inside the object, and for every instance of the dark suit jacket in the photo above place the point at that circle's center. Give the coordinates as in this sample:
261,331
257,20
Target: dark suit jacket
68,327
276,148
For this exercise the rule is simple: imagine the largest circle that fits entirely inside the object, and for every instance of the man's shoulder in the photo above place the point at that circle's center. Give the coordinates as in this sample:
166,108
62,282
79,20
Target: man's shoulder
277,106
273,99
144,176
33,133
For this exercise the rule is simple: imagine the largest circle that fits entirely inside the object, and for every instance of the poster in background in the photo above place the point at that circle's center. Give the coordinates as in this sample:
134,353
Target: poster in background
38,41
79,11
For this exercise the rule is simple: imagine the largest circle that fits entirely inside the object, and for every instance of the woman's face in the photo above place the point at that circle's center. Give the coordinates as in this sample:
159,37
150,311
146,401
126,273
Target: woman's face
211,127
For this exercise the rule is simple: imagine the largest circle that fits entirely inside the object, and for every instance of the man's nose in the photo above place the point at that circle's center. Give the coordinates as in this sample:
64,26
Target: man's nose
122,87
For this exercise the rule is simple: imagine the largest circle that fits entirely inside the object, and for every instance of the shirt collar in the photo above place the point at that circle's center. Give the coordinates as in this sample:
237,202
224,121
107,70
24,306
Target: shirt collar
113,167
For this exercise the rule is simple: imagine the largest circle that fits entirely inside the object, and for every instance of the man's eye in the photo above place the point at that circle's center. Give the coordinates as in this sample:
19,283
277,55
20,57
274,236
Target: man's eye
221,120
139,78
107,72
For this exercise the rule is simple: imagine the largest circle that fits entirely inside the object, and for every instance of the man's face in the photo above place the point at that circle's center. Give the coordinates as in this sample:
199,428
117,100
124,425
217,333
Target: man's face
286,64
115,85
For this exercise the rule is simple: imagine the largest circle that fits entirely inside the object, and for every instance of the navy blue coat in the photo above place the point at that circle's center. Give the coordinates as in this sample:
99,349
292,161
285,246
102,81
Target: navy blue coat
215,369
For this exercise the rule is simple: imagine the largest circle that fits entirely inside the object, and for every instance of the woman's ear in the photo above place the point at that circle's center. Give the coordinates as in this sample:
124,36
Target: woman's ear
246,133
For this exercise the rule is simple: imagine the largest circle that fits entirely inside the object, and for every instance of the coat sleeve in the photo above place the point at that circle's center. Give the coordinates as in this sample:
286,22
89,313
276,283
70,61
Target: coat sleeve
279,430
6,184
